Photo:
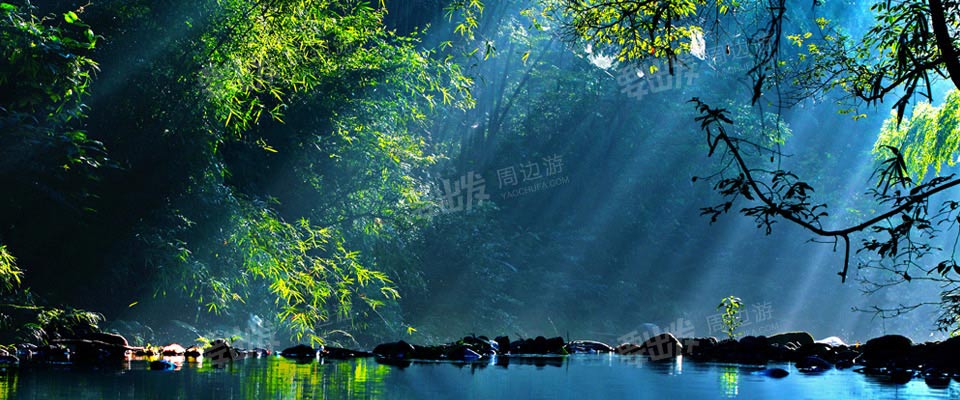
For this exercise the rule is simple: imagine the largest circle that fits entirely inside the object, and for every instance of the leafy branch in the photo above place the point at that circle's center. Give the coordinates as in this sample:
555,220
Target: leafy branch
787,197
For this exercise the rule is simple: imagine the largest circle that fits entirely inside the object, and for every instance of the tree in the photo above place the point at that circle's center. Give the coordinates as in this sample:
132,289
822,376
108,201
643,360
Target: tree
911,44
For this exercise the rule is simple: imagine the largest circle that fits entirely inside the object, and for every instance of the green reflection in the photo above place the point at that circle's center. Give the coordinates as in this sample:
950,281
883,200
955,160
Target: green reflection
8,384
730,381
278,378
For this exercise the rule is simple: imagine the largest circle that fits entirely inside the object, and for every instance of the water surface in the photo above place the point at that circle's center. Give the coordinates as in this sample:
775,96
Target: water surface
575,377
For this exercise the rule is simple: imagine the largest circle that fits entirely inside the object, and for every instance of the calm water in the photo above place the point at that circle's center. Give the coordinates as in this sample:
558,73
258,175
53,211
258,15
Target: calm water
579,377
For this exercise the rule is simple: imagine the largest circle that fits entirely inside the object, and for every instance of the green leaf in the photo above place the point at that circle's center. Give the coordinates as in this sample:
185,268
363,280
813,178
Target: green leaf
71,17
8,7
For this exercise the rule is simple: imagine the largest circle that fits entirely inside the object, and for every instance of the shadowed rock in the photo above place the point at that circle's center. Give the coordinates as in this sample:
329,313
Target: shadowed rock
662,347
299,352
588,346
887,351
798,339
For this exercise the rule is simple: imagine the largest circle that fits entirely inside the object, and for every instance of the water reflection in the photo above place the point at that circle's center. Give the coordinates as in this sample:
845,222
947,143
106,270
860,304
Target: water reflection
579,376
730,381
8,384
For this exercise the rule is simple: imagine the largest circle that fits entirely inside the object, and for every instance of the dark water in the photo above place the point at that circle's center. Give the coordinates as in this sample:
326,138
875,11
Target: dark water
579,377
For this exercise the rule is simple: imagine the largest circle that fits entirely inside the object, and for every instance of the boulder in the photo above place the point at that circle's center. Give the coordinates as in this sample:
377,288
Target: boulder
480,345
503,344
220,353
774,373
396,350
945,354
832,341
887,351
662,347
936,378
193,352
629,349
813,365
463,353
699,348
162,365
587,346
300,352
539,345
108,338
173,350
338,353
821,350
53,353
798,339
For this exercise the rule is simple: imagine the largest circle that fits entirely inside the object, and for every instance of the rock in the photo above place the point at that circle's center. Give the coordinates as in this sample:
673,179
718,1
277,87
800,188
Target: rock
503,344
463,353
662,347
162,365
887,351
300,352
945,354
193,352
588,346
108,338
54,353
146,352
774,373
96,348
173,350
832,341
798,339
813,365
220,353
628,349
481,345
699,348
902,376
397,350
8,360
936,378
26,350
753,350
539,345
820,350
337,353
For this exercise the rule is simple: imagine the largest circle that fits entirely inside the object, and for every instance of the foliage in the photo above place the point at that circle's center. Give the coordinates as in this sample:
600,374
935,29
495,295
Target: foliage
928,139
9,272
637,30
45,74
730,317
56,323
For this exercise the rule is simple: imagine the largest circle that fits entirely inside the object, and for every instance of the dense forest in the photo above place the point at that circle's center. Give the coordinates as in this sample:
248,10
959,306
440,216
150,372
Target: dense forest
347,171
